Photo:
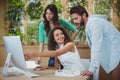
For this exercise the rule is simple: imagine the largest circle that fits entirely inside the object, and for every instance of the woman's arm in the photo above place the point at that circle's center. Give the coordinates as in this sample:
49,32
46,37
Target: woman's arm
41,48
41,37
70,27
41,41
68,47
75,34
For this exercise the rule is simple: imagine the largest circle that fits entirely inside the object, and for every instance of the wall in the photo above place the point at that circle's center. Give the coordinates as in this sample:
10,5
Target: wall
3,24
2,56
84,51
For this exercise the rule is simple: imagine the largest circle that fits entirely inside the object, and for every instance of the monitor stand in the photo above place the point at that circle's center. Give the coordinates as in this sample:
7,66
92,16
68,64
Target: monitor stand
20,71
6,65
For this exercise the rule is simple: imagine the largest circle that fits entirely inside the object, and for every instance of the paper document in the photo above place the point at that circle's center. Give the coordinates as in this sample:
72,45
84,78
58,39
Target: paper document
31,64
67,73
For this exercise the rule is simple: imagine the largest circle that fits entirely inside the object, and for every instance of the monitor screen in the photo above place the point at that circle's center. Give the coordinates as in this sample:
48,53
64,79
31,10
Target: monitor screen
13,45
15,56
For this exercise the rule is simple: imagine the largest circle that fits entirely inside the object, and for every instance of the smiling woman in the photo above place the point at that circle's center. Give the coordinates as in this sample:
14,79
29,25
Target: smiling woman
65,51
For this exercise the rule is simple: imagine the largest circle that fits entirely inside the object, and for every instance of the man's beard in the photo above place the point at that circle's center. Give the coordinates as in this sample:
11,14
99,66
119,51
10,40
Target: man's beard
81,23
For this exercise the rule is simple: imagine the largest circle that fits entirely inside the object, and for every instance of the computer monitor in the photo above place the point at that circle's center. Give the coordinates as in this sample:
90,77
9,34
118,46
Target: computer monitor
15,56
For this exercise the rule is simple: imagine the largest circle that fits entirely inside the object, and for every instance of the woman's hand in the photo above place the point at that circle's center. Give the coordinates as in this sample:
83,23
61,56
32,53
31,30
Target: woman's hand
39,68
29,56
38,61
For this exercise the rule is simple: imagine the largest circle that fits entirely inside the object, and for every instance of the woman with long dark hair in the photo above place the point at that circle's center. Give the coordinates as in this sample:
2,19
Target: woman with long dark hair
66,53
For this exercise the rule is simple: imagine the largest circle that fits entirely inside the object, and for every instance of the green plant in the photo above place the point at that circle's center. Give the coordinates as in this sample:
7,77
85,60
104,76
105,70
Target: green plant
82,34
14,16
34,10
15,12
103,7
32,33
58,4
16,31
77,2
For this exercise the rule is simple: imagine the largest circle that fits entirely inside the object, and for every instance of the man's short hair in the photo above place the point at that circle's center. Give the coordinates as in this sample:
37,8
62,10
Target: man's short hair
79,10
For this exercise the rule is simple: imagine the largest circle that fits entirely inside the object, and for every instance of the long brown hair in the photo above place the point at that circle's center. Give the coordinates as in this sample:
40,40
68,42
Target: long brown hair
52,44
54,10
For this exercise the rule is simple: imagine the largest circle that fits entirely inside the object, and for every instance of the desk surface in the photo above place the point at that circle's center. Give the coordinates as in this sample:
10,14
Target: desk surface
48,74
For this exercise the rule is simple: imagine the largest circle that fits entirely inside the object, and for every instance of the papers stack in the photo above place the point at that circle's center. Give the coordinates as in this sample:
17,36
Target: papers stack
66,73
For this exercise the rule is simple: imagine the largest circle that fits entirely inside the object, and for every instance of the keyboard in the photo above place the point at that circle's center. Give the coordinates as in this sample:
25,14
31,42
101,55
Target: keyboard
24,72
30,74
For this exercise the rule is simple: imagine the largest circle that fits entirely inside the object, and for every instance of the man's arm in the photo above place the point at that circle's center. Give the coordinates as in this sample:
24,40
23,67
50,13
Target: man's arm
96,37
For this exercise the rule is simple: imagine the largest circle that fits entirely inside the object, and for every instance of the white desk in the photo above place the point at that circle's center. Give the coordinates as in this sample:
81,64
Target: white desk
48,74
